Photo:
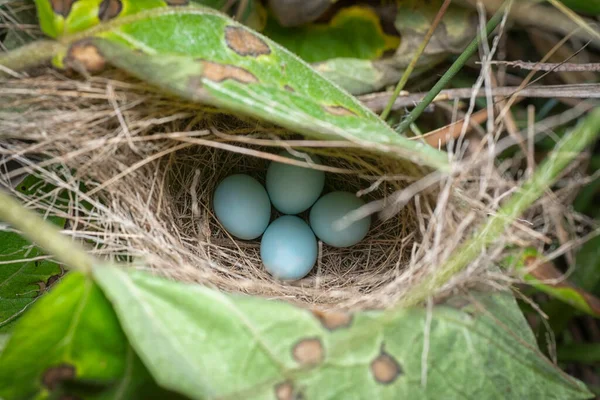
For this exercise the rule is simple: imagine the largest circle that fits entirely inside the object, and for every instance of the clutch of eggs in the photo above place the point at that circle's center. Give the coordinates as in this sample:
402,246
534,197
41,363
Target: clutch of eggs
288,247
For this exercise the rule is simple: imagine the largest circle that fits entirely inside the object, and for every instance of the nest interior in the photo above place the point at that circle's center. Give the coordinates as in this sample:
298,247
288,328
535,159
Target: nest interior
149,165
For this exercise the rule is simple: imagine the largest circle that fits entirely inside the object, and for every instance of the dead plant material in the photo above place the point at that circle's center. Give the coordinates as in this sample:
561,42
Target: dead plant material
139,170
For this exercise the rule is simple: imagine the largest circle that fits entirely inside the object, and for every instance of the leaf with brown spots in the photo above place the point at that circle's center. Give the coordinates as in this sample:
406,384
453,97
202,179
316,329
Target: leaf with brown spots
243,72
201,338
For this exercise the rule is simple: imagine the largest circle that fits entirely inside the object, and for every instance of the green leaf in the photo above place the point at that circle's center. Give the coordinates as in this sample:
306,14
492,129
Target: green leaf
354,32
25,274
207,344
231,67
72,332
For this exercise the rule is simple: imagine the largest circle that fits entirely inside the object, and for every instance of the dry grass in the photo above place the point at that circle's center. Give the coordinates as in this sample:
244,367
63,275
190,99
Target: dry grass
149,165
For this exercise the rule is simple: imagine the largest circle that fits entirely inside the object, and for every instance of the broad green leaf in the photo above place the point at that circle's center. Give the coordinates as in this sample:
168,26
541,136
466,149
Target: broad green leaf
207,344
567,291
214,60
25,274
354,32
72,332
234,68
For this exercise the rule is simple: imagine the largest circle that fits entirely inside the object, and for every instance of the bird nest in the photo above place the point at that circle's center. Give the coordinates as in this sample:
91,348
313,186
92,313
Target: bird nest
135,172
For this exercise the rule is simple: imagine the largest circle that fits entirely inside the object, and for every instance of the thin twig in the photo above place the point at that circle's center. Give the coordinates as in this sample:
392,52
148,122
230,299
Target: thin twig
553,67
377,101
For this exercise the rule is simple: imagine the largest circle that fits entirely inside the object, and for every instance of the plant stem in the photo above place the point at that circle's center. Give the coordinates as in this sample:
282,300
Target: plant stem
416,56
565,151
452,71
44,234
30,55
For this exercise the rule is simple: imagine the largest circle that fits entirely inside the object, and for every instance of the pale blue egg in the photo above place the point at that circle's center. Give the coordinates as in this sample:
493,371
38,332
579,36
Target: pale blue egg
242,206
288,248
331,208
294,189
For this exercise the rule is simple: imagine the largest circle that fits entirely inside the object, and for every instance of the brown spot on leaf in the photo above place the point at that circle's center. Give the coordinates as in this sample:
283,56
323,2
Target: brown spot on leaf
178,2
56,375
338,111
244,42
333,320
219,72
42,287
62,7
308,351
284,391
109,9
84,54
289,88
385,369
52,279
